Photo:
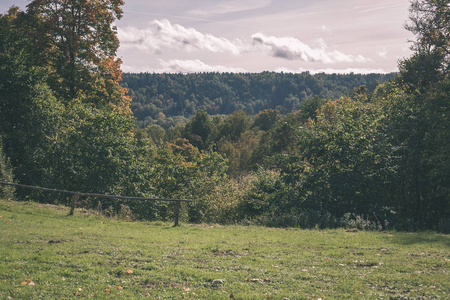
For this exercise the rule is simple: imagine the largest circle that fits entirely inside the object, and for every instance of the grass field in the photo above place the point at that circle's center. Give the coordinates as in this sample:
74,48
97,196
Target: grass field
45,254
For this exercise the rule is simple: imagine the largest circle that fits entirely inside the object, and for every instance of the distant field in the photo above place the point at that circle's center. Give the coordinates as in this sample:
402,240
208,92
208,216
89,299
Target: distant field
46,254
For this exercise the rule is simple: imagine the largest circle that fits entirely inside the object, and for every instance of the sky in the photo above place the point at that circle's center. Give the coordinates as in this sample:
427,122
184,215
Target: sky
291,36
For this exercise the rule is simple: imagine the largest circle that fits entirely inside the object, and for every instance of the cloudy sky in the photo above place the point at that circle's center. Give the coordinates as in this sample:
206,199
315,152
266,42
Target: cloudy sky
332,36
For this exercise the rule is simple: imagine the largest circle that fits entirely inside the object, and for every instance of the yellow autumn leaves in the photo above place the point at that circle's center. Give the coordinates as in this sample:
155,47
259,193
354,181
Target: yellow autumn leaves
120,288
28,282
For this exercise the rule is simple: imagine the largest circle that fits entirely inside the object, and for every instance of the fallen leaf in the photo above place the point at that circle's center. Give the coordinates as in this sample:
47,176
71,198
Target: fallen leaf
217,282
120,288
31,283
128,272
107,290
24,283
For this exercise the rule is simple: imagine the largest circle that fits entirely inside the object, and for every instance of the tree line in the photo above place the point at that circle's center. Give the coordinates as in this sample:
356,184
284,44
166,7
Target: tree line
373,156
167,99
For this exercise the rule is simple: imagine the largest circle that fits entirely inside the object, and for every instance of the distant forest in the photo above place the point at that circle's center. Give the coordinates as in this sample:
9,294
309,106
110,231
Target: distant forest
164,99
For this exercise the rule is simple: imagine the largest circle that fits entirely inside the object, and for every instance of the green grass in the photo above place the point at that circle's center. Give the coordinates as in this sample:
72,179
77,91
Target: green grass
46,254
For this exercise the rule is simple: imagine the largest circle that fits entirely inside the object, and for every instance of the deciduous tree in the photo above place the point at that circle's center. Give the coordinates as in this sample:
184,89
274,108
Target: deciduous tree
79,43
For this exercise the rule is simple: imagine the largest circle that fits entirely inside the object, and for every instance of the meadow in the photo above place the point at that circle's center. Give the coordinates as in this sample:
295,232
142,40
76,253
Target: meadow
46,254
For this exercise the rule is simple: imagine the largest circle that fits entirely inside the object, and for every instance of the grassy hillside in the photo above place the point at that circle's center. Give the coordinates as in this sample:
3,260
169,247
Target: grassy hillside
46,254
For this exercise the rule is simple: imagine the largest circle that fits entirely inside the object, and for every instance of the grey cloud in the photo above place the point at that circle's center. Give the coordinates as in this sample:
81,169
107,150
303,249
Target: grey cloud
293,49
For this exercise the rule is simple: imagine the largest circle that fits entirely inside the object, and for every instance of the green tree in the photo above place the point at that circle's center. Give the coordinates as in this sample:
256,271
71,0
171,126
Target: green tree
309,108
199,130
66,123
266,119
6,175
156,133
30,116
78,42
419,120
239,153
429,20
234,126
341,163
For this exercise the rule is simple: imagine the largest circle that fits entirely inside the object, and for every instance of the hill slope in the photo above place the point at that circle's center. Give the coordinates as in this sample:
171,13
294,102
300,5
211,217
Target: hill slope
45,253
222,93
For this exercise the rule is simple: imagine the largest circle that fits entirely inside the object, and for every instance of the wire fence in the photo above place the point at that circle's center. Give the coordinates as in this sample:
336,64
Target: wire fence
76,195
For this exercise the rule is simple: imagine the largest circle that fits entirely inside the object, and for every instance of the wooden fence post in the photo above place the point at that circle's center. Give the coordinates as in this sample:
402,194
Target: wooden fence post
72,203
177,212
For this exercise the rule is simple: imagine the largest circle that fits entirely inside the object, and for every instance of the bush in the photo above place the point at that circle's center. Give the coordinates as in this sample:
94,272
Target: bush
6,175
444,226
221,202
350,220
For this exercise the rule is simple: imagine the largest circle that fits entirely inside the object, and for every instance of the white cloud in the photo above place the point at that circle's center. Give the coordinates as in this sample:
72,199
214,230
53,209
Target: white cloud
383,53
293,49
326,29
193,66
162,35
335,71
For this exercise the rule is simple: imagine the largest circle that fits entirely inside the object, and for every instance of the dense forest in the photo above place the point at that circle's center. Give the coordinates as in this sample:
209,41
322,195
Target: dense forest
163,98
364,151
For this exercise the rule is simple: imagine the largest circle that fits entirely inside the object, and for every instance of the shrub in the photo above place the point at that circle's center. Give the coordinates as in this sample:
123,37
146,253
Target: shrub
6,175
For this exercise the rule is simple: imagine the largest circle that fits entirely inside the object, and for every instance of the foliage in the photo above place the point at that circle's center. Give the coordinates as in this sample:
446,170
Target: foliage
419,120
6,175
338,167
275,149
199,130
96,151
429,20
418,125
175,95
65,120
79,42
380,157
265,119
30,116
